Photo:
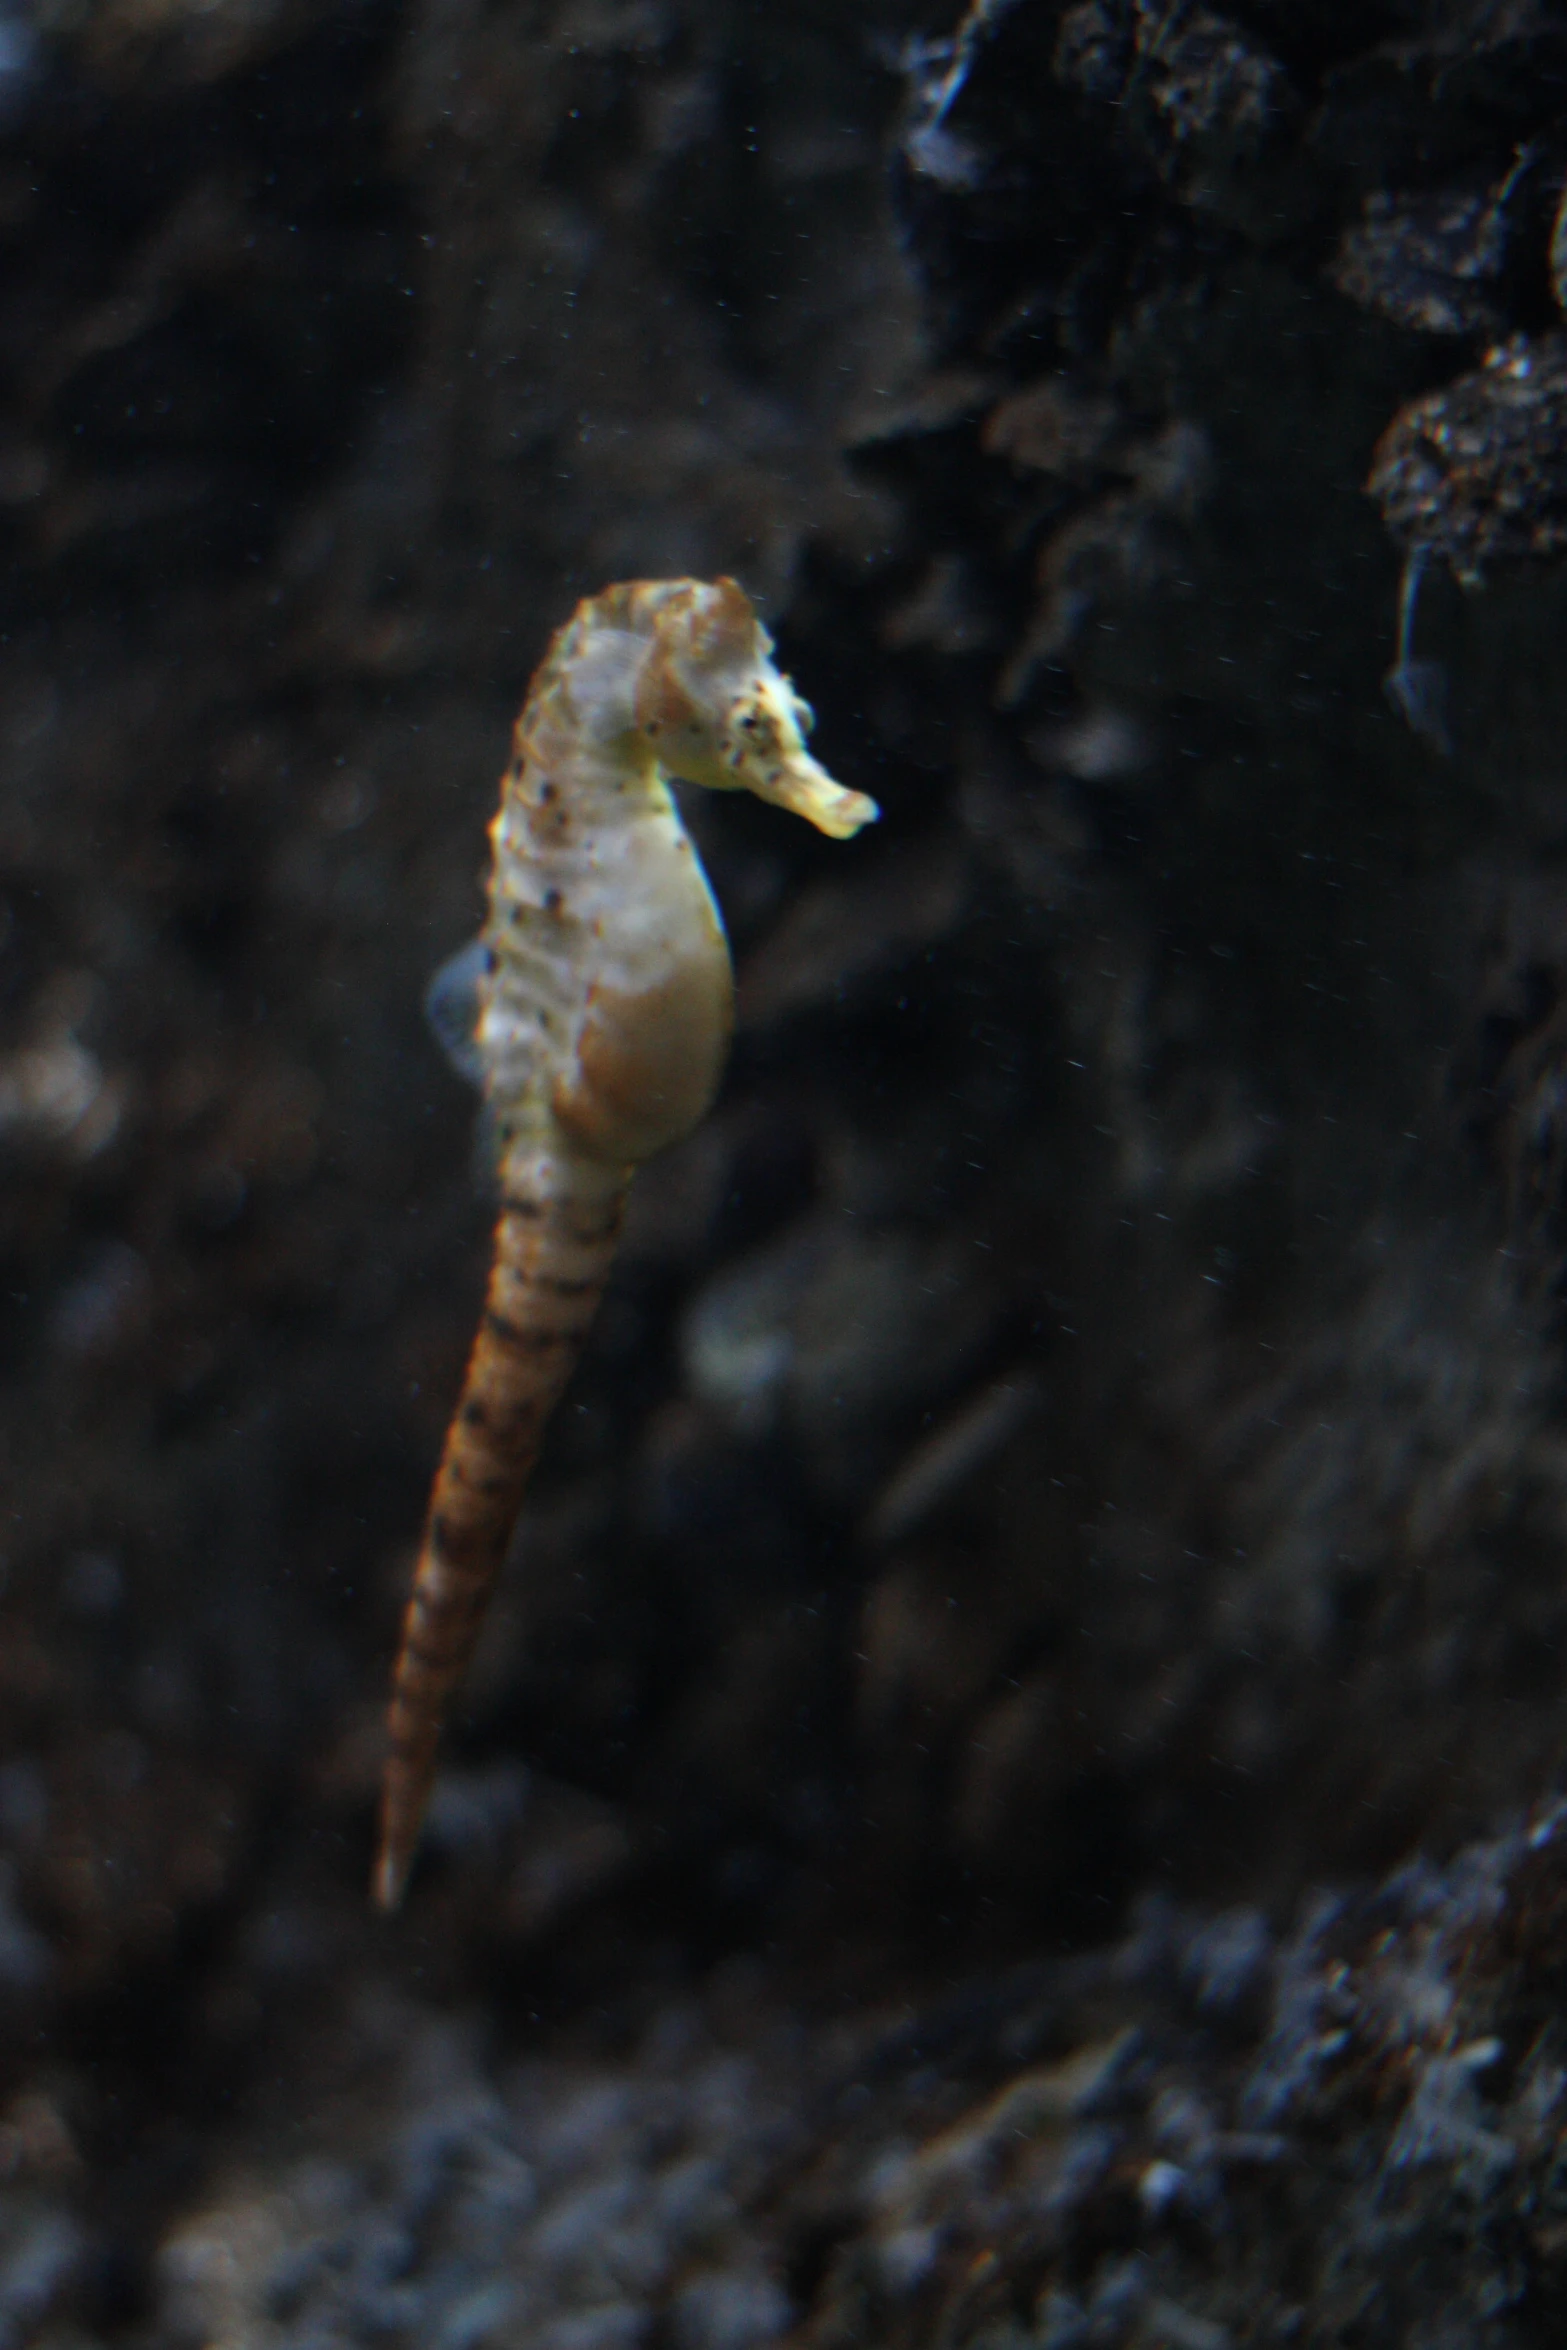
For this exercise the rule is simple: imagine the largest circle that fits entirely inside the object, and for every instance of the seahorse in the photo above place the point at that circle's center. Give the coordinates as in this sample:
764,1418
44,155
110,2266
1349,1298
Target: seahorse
605,1006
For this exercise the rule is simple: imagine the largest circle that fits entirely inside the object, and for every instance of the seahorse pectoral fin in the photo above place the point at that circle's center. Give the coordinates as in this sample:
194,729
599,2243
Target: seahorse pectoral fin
648,1064
453,1002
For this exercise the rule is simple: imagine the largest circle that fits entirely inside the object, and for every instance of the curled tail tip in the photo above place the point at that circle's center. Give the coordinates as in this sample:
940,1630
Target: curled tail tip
389,1879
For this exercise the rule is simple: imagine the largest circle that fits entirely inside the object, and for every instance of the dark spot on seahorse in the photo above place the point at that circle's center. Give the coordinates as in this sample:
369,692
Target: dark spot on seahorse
480,1481
552,901
474,1415
547,792
432,1656
594,1235
408,1737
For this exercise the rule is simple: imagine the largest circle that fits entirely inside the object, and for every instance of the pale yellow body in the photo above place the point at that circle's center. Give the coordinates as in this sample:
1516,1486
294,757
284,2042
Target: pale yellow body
605,1019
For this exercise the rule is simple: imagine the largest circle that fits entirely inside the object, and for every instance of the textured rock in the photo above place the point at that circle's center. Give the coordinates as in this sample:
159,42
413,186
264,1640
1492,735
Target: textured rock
1477,473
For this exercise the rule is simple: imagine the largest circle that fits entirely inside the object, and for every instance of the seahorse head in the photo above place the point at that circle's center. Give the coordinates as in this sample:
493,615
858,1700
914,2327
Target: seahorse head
715,711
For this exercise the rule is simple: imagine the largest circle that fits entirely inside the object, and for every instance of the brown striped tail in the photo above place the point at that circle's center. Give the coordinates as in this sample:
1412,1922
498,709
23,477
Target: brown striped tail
552,1258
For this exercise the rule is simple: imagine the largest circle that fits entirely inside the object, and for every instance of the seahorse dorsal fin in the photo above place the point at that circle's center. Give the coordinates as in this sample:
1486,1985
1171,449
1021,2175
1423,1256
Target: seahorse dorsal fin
453,1002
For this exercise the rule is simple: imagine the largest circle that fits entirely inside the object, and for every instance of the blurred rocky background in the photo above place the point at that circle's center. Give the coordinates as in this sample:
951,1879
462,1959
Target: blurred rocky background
1007,1798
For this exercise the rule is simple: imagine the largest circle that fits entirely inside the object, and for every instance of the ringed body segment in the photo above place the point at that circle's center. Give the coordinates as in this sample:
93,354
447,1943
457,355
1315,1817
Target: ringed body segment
606,1001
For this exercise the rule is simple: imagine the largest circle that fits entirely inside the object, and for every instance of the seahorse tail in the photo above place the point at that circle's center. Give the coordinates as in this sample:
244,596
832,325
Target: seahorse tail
552,1258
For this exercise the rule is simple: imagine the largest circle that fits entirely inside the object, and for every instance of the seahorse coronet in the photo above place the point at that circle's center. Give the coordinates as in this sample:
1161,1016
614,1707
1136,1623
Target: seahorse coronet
605,1004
